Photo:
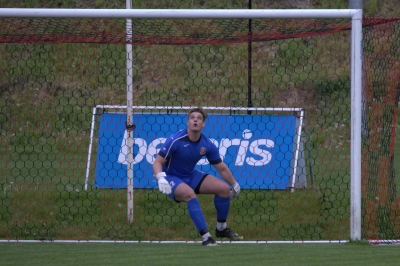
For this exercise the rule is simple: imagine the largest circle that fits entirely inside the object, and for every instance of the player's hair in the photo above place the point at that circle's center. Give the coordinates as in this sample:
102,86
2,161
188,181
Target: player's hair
198,110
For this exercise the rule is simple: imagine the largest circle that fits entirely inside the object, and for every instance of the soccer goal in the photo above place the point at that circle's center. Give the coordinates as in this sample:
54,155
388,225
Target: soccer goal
302,107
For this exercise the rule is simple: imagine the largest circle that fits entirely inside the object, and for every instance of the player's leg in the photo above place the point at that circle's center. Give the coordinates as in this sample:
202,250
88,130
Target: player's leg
212,185
181,192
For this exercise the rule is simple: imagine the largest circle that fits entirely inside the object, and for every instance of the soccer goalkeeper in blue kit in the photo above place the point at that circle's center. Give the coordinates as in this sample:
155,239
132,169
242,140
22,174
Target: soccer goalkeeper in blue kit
174,168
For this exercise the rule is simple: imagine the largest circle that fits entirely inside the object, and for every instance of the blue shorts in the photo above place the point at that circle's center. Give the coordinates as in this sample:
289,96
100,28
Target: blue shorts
194,181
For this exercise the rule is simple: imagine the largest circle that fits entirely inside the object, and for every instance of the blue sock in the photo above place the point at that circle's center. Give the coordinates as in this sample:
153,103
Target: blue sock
222,205
196,214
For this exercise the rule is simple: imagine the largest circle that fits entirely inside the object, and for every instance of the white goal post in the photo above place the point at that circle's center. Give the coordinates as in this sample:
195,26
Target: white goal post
356,61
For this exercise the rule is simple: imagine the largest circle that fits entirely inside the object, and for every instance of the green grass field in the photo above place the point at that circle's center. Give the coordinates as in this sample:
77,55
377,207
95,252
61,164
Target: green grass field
195,254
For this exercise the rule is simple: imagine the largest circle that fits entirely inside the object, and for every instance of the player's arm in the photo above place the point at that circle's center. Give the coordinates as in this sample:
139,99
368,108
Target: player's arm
163,185
226,174
158,163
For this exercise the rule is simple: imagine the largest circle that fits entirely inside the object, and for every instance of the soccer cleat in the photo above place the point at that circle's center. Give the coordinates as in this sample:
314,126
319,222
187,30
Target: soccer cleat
233,236
209,242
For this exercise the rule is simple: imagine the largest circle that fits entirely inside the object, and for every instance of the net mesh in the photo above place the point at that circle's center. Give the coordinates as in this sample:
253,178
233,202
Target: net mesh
55,71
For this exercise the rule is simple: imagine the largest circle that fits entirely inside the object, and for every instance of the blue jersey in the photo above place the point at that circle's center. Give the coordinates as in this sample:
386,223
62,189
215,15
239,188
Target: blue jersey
182,154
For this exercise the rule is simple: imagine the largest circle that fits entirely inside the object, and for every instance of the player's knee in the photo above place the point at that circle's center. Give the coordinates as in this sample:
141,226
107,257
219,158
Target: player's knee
224,192
187,196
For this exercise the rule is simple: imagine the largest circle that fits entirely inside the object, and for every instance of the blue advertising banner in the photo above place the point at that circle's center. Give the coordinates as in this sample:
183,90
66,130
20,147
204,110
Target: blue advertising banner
258,149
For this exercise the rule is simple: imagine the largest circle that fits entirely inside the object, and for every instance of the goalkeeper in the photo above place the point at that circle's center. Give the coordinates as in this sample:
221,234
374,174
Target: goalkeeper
174,168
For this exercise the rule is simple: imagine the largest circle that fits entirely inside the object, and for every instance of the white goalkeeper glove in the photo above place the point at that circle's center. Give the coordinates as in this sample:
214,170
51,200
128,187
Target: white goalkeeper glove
235,191
163,185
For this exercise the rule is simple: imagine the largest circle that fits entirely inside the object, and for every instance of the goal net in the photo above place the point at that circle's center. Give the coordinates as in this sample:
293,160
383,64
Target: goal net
55,67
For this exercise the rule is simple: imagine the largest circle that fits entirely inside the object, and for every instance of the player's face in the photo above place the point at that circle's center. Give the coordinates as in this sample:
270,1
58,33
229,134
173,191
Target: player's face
196,122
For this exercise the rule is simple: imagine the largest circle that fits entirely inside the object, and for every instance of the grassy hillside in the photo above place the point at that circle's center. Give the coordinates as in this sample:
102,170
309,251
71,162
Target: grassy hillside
45,150
381,8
